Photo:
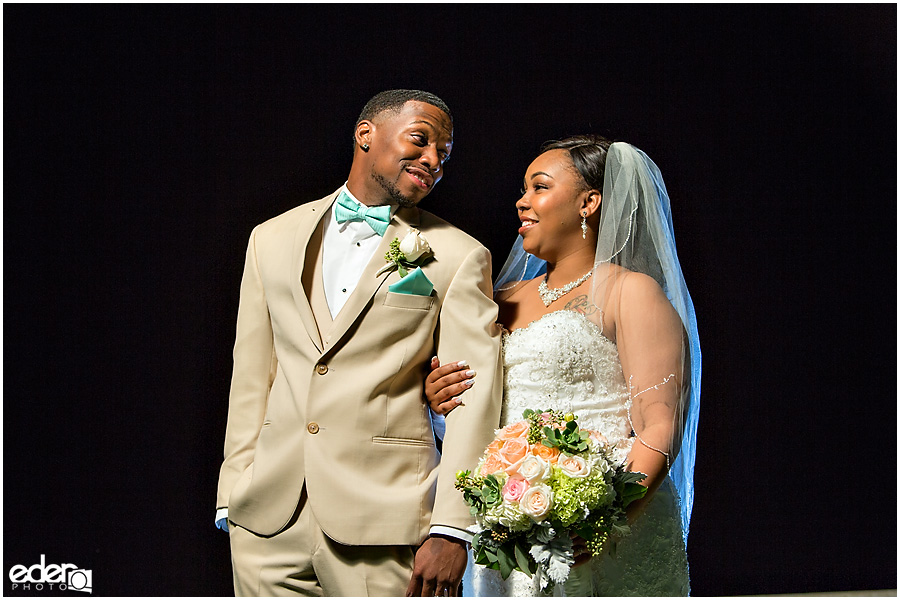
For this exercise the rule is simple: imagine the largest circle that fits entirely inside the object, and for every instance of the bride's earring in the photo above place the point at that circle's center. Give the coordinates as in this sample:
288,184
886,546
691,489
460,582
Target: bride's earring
584,226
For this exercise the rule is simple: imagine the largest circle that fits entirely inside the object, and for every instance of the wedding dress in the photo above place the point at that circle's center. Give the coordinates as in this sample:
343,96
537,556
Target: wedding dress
563,362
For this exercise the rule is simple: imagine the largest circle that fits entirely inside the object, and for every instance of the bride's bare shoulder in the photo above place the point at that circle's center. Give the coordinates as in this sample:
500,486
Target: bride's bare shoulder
637,286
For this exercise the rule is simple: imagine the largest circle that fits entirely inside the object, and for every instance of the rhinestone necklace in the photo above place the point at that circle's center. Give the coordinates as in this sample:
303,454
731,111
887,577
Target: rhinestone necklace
548,295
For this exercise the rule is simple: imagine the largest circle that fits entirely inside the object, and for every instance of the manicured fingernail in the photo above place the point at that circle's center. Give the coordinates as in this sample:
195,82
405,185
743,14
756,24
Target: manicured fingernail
469,382
470,373
458,400
462,363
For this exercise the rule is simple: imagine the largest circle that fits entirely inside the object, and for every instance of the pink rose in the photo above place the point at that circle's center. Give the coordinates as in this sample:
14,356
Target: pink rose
514,488
514,430
536,502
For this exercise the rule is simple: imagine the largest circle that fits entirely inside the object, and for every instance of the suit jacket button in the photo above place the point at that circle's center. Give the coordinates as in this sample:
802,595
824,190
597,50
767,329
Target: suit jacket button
313,428
321,368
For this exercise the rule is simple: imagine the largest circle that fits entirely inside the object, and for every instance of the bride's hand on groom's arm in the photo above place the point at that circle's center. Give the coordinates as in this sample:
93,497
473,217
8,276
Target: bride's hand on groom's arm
445,384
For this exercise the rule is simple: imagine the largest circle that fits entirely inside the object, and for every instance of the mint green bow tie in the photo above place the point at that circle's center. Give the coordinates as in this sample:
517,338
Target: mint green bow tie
377,217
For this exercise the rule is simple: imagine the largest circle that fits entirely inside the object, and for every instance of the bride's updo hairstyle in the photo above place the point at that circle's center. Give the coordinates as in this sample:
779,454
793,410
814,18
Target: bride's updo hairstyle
588,154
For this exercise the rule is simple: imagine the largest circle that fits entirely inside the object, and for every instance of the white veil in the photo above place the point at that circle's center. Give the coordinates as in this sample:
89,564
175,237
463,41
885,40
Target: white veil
636,235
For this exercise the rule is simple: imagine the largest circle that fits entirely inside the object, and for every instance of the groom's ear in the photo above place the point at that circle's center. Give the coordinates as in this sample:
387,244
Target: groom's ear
363,133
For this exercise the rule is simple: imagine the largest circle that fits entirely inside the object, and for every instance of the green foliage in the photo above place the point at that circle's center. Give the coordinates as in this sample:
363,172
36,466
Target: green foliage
539,421
479,493
491,491
628,489
524,560
394,254
471,489
503,556
568,439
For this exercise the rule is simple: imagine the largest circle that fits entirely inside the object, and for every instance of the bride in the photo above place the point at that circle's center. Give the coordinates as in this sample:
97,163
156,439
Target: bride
598,322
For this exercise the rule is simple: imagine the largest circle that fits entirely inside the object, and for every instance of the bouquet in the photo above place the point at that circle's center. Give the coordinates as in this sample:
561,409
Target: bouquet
540,482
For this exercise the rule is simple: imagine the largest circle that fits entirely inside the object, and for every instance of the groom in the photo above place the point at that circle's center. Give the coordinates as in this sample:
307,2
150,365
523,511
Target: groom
332,483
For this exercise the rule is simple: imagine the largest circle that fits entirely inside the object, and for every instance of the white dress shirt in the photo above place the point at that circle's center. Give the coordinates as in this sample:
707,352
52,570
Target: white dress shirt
346,250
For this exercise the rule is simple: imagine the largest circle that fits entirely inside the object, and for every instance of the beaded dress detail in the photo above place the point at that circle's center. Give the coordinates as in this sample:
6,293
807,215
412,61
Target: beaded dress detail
563,362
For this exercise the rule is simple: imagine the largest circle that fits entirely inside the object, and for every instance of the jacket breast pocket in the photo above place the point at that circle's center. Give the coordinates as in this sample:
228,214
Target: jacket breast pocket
410,301
395,441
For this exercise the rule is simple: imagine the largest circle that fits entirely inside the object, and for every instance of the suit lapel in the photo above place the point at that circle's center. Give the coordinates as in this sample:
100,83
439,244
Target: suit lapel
369,283
301,246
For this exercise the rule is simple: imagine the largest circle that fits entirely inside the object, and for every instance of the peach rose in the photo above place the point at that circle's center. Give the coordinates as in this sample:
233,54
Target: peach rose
494,447
536,502
598,437
513,450
492,464
514,488
548,454
573,466
514,430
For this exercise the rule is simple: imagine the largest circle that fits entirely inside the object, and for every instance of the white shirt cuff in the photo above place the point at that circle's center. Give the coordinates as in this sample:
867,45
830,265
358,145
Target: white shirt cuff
221,513
460,534
438,424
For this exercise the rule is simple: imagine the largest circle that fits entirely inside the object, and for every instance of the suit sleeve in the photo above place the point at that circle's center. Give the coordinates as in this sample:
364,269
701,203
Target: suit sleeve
254,371
468,330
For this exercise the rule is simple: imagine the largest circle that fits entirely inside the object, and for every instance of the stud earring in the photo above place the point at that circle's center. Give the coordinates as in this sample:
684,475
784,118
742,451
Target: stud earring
584,226
365,147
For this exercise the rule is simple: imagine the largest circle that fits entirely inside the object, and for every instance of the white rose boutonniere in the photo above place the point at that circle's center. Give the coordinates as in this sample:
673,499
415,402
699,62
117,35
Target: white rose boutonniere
414,245
413,251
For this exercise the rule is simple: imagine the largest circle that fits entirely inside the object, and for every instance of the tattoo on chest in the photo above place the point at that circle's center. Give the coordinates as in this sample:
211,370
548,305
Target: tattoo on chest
581,304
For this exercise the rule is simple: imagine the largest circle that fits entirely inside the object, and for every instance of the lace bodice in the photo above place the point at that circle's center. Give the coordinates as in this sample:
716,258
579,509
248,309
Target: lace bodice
563,362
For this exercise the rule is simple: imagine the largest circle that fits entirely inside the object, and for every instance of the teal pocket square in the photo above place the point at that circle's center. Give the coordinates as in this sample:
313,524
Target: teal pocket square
415,283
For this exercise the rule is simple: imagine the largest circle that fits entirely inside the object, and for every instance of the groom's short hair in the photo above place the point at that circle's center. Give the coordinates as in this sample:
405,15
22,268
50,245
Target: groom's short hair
394,100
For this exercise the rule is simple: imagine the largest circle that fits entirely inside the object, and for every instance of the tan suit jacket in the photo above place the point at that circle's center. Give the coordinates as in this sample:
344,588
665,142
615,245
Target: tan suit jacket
342,409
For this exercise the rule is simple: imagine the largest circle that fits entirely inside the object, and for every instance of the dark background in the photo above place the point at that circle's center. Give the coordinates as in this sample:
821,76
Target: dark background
142,144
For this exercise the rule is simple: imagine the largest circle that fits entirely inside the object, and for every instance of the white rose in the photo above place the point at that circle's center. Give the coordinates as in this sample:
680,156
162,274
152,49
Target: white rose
413,246
533,469
536,502
573,466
